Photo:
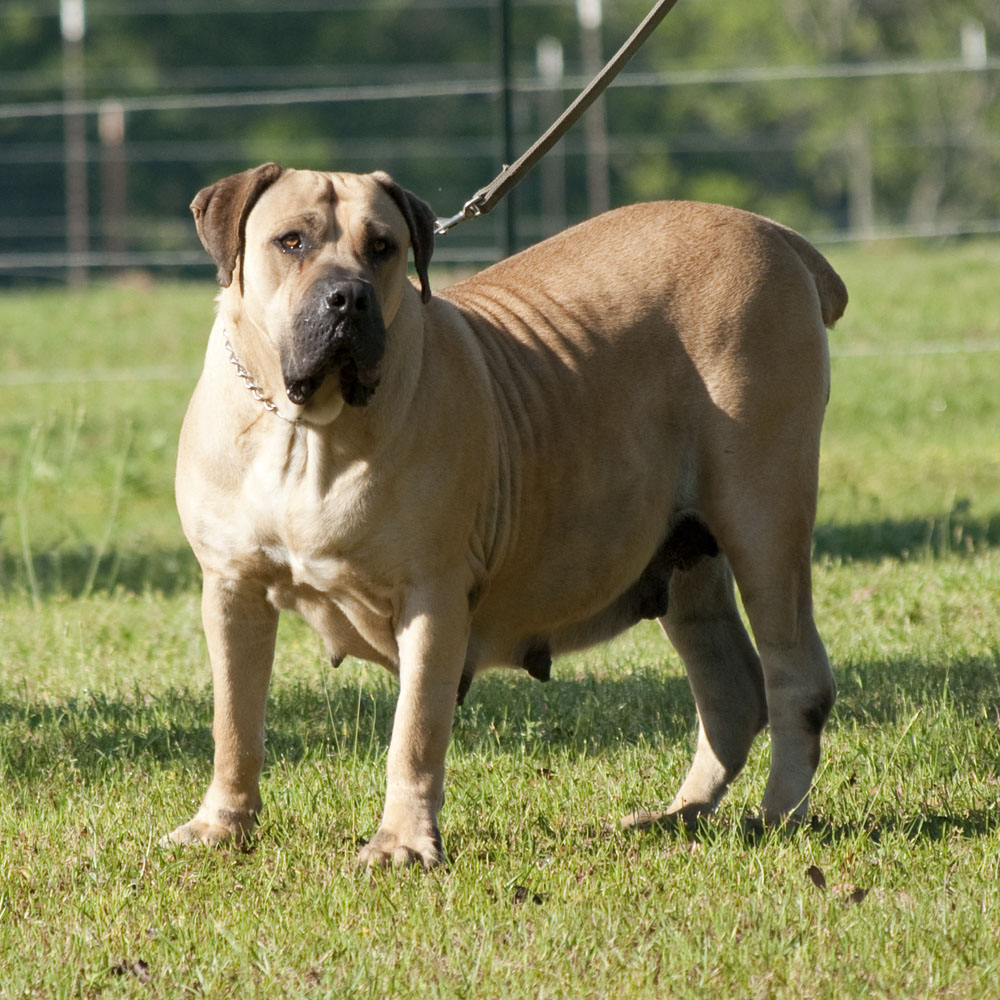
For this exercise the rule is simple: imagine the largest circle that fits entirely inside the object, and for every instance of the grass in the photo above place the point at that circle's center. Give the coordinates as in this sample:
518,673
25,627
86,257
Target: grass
88,449
889,891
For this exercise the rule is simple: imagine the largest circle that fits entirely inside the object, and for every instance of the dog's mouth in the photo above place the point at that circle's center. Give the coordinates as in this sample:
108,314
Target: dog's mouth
357,381
300,391
357,384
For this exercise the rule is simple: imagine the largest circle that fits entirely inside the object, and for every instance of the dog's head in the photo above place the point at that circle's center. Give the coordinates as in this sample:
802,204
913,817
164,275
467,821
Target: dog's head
318,261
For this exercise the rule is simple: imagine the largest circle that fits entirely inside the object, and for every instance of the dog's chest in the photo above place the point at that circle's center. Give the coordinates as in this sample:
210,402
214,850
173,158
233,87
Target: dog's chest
311,540
306,527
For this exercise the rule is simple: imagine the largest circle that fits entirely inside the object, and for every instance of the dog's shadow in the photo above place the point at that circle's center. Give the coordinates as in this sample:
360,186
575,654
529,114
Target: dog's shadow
505,710
505,713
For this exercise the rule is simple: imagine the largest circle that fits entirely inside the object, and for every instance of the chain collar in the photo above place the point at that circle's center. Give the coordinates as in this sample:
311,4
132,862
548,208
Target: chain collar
255,390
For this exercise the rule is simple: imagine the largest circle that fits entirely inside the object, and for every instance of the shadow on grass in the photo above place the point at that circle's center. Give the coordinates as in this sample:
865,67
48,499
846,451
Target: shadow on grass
94,732
505,712
78,571
751,833
889,691
956,533
933,827
93,737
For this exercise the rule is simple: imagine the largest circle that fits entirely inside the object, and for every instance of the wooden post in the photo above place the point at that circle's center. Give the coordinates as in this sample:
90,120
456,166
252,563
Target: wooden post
72,20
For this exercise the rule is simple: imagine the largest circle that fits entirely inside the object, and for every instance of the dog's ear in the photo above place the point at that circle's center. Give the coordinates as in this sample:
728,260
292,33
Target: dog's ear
421,220
220,215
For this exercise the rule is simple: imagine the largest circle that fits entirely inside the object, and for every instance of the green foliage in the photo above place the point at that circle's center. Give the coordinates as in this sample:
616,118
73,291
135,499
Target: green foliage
815,151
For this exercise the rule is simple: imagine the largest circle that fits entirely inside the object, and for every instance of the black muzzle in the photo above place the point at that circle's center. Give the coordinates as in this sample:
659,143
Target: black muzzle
338,331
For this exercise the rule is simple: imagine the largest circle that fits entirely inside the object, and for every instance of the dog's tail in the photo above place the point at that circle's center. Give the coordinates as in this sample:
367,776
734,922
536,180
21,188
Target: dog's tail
832,290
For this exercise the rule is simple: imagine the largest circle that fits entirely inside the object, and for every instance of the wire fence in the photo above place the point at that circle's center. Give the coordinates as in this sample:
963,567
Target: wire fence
126,143
490,87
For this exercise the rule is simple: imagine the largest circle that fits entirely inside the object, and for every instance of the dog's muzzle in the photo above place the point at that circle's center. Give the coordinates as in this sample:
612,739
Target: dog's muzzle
338,331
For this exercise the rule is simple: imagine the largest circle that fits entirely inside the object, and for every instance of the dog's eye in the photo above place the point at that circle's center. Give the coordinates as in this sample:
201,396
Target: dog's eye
381,246
291,241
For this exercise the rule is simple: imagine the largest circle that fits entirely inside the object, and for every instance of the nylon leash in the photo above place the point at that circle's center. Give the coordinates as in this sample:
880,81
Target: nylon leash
487,198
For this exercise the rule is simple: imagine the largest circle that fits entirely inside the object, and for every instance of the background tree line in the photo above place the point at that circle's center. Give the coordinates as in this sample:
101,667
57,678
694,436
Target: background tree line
832,115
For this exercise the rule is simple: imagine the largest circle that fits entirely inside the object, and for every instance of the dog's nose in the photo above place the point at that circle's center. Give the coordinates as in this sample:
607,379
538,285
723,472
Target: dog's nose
349,298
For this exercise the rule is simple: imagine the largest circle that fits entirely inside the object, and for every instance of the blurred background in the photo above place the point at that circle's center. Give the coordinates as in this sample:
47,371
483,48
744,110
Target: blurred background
846,119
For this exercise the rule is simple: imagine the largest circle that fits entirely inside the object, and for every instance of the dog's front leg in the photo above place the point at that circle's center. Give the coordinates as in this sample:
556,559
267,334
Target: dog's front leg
432,646
240,628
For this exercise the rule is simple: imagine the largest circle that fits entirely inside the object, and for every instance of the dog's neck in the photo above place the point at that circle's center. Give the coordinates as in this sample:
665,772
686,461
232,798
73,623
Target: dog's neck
248,380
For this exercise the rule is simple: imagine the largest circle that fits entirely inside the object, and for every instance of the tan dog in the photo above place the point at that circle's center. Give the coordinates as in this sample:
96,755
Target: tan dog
589,433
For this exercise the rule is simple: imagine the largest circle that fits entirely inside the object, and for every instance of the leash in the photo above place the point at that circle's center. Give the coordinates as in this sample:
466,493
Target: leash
487,198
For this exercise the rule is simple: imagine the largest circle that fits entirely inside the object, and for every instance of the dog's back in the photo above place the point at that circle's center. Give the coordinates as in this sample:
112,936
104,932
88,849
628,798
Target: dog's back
630,356
669,242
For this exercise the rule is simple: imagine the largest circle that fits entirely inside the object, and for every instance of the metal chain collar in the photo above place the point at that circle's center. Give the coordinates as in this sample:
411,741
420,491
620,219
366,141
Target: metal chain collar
255,390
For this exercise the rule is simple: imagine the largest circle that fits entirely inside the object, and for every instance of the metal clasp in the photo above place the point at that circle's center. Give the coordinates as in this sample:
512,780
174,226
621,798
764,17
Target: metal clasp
470,210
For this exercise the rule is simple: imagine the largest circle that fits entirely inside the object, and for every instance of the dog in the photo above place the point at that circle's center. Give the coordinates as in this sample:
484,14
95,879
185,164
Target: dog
607,427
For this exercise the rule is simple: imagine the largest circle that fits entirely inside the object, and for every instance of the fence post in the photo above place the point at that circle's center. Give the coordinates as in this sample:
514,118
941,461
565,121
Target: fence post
590,14
111,129
72,20
507,99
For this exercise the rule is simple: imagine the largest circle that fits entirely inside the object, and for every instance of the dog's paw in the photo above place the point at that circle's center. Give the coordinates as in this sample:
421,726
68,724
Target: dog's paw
389,849
643,819
687,816
222,829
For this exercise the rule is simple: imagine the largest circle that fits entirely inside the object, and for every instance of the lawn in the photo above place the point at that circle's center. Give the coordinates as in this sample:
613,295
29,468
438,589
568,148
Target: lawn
890,890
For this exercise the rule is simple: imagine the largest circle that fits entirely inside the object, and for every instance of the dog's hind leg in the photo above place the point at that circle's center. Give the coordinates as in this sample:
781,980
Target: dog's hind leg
724,672
771,563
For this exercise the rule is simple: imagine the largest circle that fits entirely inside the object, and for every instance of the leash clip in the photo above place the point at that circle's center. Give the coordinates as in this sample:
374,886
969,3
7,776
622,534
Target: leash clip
470,210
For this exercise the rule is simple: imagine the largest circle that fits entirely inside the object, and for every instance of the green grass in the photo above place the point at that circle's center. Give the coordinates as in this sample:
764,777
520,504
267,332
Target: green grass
86,461
890,891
